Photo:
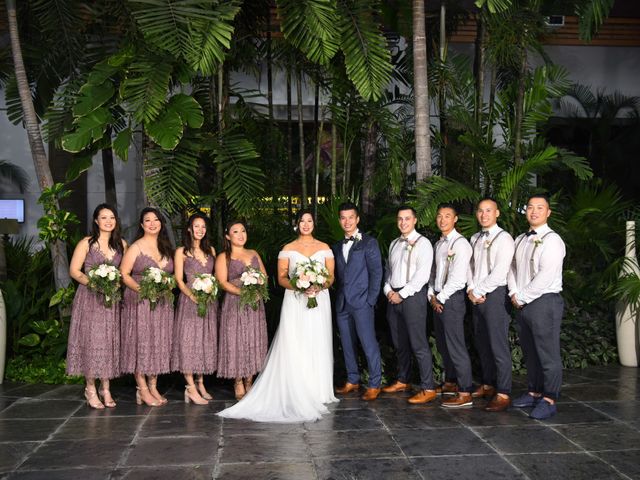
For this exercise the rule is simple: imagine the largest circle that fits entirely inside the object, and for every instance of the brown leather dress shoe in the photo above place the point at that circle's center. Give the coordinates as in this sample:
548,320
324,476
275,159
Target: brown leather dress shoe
484,391
397,387
424,396
348,387
462,400
447,388
371,394
498,404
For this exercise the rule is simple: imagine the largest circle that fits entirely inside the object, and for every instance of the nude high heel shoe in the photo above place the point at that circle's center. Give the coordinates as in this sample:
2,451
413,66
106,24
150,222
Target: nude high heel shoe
92,399
139,400
202,391
194,391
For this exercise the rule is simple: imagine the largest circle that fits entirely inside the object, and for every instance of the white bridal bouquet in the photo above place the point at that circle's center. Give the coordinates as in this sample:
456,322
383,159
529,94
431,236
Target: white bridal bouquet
205,287
155,285
105,279
310,273
253,287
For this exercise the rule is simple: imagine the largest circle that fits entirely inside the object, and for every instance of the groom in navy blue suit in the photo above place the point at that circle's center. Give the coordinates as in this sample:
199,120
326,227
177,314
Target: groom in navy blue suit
358,280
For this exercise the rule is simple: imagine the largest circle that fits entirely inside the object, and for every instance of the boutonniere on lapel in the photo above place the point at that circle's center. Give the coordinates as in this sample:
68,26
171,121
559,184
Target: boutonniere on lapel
450,256
487,244
357,237
537,242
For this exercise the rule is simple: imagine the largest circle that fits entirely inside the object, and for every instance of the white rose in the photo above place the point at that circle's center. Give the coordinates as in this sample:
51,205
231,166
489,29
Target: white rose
320,279
112,276
304,284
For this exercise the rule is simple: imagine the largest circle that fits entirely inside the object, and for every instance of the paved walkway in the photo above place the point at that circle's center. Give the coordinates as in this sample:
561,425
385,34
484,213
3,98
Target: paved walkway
46,432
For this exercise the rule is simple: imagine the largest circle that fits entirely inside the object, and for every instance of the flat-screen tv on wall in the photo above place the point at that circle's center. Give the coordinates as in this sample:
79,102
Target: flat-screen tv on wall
12,209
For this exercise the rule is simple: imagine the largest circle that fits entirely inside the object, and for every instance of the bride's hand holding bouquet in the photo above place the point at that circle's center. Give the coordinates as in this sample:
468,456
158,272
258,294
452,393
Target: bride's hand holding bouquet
310,278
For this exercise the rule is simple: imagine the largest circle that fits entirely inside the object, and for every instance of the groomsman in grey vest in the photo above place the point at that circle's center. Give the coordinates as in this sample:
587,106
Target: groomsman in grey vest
447,297
535,283
487,289
406,277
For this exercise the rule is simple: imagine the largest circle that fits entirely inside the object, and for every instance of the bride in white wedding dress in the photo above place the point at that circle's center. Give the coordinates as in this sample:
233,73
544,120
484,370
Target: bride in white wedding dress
297,379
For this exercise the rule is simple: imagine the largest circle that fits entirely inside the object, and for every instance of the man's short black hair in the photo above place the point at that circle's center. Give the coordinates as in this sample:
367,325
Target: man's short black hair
407,207
348,206
448,205
543,195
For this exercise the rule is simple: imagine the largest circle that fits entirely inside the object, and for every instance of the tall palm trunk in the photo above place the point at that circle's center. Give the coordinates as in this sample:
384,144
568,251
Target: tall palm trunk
519,114
289,145
368,167
109,175
41,163
303,170
334,159
479,72
421,92
442,101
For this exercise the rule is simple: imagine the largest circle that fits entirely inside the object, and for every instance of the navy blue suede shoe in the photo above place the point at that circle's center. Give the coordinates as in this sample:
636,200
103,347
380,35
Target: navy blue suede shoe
525,400
543,410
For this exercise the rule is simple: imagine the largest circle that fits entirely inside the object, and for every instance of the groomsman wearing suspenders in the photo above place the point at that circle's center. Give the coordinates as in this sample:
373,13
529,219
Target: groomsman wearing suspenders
447,297
406,277
535,283
487,289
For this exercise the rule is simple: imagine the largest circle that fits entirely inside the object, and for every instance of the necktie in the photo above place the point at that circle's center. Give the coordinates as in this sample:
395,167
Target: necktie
530,232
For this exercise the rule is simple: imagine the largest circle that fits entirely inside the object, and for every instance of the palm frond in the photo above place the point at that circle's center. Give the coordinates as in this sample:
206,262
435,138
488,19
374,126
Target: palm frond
591,14
436,190
366,56
243,181
209,39
170,175
518,174
145,87
14,174
580,166
311,26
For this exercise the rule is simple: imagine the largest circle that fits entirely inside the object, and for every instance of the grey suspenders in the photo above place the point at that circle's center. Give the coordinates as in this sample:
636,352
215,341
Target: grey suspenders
473,259
446,270
393,245
535,246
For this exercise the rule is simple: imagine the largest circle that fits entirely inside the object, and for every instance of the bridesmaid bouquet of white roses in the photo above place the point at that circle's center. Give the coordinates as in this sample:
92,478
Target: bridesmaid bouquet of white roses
310,273
205,287
155,285
105,279
253,287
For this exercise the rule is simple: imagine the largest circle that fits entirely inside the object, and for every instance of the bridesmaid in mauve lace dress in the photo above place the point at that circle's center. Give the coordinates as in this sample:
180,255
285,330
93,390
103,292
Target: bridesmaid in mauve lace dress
94,336
242,346
195,339
146,333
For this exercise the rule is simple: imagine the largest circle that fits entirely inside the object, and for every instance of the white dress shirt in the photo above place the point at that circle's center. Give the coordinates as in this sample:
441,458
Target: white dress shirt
537,265
452,256
409,264
347,246
492,257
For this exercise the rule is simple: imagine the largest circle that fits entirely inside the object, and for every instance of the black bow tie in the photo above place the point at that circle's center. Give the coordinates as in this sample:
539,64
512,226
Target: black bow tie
484,233
530,232
349,239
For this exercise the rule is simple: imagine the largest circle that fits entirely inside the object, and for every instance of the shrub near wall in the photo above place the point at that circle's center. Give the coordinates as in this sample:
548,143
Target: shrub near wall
36,333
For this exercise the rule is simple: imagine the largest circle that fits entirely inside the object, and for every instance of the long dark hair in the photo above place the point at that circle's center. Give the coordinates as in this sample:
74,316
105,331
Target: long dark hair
115,239
164,244
226,243
187,235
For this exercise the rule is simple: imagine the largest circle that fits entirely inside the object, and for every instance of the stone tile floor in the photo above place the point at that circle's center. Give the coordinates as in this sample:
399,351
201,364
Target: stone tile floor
46,432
